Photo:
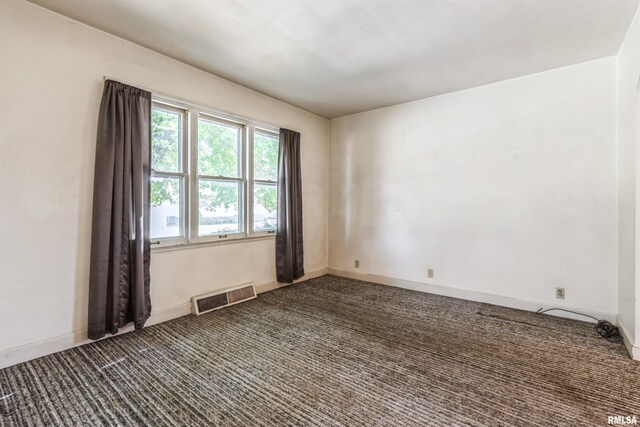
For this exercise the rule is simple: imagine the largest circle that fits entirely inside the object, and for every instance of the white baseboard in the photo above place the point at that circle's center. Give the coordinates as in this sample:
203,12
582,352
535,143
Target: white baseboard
23,353
629,343
266,287
15,355
473,295
41,348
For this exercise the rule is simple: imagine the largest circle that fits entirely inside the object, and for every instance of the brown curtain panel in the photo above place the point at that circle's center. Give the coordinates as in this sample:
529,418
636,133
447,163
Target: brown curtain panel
120,246
289,248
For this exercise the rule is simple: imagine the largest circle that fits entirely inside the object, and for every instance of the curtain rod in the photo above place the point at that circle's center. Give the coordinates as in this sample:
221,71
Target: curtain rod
186,103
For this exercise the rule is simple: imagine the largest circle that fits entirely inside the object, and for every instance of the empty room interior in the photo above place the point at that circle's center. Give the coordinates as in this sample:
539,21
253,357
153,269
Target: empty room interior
322,213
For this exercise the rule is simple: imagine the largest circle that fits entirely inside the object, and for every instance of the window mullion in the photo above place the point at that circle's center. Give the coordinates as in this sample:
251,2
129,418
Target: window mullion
250,186
185,208
193,173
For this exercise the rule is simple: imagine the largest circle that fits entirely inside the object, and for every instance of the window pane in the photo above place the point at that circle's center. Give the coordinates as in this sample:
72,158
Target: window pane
265,203
265,157
166,142
218,149
166,207
220,207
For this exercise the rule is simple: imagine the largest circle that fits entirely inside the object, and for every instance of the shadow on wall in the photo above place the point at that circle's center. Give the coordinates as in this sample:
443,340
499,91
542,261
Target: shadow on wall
85,207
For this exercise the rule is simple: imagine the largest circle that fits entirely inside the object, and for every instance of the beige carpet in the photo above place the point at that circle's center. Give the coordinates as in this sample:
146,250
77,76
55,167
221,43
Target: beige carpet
334,351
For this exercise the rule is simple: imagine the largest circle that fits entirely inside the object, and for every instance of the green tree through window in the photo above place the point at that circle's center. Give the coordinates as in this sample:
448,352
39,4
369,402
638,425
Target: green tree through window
219,154
265,166
220,180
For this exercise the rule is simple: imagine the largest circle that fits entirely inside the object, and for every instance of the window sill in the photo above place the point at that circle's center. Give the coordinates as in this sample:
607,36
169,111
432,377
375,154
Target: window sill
181,246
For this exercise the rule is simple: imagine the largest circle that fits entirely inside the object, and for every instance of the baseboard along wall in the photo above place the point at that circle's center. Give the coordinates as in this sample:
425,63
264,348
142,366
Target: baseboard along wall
23,353
632,347
634,350
52,345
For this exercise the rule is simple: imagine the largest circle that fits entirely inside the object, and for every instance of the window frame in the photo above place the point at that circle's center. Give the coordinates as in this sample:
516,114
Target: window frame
242,179
253,181
184,166
190,209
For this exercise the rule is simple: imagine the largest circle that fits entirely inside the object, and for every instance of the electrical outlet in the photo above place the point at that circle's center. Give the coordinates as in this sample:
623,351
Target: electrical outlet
430,273
357,263
560,293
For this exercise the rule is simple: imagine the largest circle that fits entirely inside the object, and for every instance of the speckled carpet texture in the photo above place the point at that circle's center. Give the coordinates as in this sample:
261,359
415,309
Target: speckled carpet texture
330,352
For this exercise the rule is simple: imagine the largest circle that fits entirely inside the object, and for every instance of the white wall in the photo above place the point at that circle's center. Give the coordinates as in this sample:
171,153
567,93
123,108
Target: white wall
507,189
628,122
52,70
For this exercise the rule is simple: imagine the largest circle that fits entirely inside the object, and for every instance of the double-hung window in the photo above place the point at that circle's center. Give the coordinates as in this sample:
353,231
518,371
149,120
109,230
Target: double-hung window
221,177
169,174
213,177
265,179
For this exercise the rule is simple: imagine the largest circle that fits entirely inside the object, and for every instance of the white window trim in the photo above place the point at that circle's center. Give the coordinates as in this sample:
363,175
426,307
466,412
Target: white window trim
195,195
253,181
190,208
171,241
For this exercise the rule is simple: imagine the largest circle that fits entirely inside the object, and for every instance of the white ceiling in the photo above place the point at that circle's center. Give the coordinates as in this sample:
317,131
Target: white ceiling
340,57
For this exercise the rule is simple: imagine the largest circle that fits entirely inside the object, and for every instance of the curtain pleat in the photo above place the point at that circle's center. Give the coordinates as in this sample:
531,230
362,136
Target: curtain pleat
120,248
289,242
